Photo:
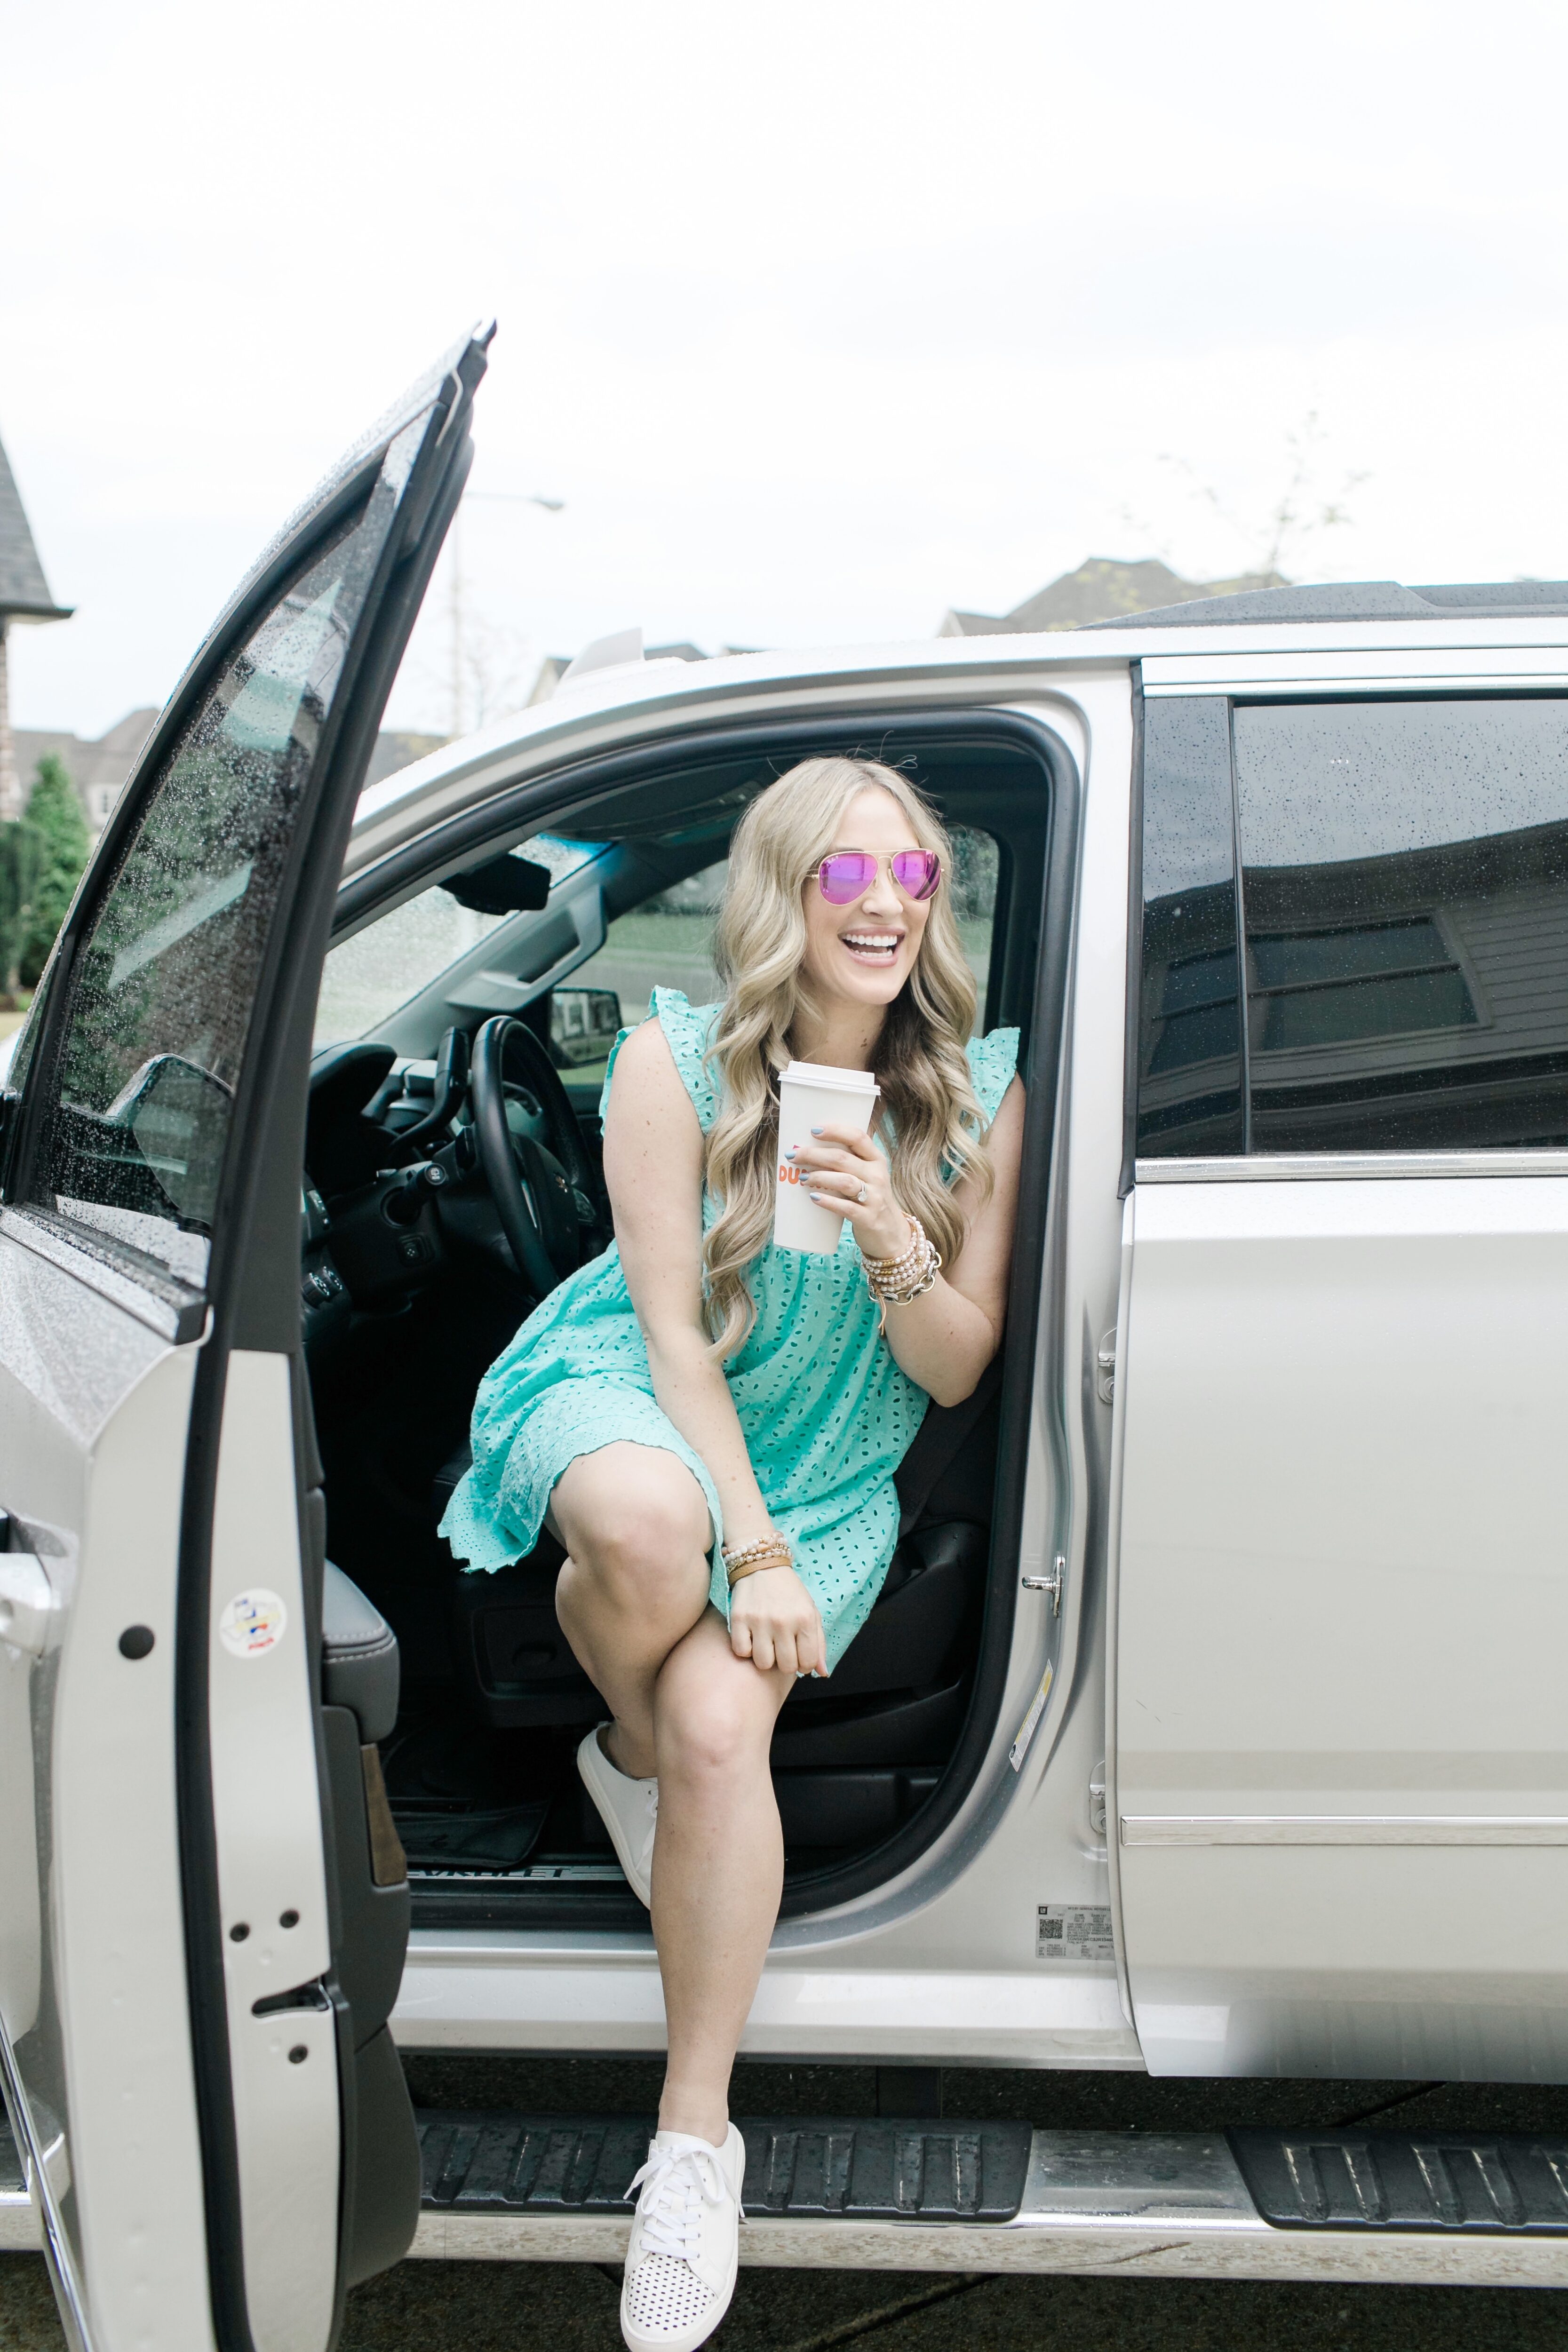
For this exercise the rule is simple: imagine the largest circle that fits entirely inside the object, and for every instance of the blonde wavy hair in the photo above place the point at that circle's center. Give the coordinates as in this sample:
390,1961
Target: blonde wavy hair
929,1115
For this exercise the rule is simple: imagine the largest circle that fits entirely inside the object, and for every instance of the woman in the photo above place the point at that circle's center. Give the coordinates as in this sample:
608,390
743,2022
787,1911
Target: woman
711,1424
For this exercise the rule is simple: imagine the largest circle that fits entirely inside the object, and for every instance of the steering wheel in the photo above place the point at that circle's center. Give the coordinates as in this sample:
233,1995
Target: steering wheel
542,1196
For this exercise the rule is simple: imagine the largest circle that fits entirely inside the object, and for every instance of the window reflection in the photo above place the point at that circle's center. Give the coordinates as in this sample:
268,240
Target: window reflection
1404,877
165,983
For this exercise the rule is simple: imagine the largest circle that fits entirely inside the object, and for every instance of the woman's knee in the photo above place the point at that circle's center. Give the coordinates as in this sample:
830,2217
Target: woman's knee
640,1532
715,1714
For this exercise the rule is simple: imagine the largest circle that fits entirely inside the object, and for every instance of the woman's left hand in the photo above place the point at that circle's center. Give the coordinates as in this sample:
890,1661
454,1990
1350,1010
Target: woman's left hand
846,1173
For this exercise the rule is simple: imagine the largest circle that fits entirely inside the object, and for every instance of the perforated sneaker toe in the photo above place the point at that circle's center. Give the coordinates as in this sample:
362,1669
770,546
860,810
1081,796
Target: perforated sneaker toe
681,2261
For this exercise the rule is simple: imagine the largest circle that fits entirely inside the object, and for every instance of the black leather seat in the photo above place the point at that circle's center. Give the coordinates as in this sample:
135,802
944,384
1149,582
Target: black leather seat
360,1667
456,1463
369,1877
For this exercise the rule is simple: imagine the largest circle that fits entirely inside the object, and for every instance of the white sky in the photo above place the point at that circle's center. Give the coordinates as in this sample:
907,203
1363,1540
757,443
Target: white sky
820,318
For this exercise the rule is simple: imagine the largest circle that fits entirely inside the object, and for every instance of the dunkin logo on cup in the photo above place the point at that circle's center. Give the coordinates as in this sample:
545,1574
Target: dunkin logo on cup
788,1175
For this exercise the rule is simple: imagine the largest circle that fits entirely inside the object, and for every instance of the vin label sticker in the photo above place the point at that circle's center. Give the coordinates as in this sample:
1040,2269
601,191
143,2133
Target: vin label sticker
1073,1931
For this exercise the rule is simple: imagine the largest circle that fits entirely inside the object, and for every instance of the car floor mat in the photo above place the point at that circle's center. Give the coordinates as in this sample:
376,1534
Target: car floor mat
472,1841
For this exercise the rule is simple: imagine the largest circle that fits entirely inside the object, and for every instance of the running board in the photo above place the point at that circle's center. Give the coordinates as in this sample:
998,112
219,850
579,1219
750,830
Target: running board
848,2193
1436,2208
19,2230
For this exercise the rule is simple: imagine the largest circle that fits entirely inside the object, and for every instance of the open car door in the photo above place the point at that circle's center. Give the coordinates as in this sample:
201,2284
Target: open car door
203,1913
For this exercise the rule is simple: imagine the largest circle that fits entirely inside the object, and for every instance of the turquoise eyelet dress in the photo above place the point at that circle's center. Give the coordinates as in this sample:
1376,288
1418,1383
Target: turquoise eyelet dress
825,1412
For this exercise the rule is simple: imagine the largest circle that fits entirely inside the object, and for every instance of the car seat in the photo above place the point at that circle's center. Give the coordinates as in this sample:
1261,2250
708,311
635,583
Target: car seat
852,1754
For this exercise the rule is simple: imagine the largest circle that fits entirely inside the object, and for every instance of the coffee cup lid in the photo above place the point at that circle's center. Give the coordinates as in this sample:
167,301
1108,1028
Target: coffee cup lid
824,1074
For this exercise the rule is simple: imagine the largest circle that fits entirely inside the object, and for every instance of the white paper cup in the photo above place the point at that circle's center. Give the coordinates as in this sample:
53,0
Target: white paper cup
813,1094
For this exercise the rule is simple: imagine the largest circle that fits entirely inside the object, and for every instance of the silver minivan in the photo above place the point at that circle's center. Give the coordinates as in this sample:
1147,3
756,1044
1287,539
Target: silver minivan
1210,1722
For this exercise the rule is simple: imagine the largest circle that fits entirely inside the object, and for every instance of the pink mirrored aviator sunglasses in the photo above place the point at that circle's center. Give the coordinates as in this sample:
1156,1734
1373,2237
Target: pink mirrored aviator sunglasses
848,874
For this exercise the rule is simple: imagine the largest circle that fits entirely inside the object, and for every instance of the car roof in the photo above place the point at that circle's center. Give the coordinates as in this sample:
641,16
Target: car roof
622,701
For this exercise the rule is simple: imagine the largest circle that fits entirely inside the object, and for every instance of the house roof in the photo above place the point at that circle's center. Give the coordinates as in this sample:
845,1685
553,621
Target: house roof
107,760
24,591
1103,589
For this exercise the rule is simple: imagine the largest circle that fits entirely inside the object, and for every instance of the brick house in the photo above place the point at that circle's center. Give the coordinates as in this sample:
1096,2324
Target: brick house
24,596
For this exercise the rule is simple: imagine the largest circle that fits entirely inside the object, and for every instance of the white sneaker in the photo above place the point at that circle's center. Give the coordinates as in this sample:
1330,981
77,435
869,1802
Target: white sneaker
629,1811
680,2263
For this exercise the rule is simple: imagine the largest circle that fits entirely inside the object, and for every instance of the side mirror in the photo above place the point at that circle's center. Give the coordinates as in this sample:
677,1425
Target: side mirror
501,886
177,1113
584,1025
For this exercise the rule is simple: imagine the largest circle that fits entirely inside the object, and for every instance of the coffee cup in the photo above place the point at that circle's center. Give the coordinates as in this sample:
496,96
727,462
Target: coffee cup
813,1094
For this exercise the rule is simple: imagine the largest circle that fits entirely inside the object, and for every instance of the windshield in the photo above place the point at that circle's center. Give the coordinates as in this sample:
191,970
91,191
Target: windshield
367,978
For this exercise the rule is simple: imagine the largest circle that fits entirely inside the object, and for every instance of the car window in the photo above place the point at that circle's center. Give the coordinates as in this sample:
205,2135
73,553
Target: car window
666,942
368,977
1403,905
975,861
1189,1047
1404,883
165,976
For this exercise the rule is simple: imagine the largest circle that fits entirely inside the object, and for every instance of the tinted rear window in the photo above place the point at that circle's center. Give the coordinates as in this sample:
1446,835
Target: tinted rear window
1404,877
1404,912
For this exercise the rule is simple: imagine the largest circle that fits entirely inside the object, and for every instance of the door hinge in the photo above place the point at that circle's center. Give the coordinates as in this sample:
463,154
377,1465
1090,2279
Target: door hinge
1097,1802
1051,1584
1105,1368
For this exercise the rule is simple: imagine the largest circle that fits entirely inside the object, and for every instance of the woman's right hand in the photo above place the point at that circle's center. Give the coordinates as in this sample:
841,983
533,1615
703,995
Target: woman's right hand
774,1620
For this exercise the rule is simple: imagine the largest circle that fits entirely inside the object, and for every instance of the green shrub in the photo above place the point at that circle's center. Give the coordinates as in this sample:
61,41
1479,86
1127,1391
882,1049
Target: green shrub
42,868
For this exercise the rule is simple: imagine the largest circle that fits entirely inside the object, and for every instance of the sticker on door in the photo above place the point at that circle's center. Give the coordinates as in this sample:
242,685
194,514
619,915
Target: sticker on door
253,1623
1073,1931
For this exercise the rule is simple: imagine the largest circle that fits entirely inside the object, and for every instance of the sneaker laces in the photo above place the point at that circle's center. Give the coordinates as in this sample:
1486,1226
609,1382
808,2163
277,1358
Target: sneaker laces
674,2185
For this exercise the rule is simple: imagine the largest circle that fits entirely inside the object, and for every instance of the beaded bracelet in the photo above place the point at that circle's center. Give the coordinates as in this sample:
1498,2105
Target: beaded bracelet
894,1281
745,1559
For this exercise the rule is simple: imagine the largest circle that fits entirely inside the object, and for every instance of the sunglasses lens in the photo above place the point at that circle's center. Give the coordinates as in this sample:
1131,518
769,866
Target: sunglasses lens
918,871
847,878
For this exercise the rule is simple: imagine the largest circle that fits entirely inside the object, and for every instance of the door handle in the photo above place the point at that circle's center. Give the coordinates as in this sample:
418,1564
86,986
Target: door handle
27,1602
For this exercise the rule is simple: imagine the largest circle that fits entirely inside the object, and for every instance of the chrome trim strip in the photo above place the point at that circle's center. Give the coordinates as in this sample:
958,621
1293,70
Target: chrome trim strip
1161,2204
1343,1829
1279,685
1511,662
48,2227
1363,1166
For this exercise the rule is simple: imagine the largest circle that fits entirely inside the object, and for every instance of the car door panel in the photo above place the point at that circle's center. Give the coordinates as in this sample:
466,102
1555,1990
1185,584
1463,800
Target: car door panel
187,2093
92,1987
1341,1753
1342,1767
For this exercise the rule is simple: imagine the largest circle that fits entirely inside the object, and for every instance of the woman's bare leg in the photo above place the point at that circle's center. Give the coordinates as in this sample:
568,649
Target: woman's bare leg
637,1531
718,1863
633,1602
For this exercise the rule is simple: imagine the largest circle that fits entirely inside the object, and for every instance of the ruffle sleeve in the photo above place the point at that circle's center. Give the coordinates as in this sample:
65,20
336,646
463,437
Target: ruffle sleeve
687,1028
993,1065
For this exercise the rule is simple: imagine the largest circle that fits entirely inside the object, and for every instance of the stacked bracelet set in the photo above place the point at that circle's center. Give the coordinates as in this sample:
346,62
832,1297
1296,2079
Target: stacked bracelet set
745,1559
894,1281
